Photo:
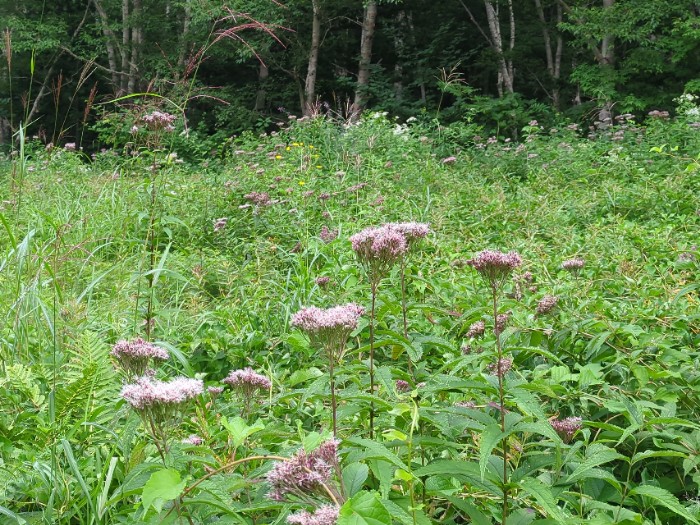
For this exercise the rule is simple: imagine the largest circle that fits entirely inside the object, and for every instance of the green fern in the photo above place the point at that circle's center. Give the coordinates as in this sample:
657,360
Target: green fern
87,383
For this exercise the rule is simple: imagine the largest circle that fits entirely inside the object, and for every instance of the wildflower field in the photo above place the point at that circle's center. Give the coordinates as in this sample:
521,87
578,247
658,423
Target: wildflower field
370,324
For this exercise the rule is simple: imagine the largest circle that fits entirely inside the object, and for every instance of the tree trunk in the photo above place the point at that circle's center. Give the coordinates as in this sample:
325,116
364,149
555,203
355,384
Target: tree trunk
402,25
110,44
606,59
552,56
125,48
136,41
368,25
261,95
505,66
506,71
310,84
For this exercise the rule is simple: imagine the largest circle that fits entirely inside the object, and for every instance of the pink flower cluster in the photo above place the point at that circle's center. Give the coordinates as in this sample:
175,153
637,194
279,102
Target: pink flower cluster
134,356
495,266
546,304
501,367
573,265
304,475
327,235
567,427
476,329
147,393
323,515
158,120
379,245
258,198
247,379
315,320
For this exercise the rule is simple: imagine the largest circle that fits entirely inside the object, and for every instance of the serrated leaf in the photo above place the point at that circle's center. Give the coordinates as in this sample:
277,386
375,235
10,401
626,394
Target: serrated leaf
639,456
664,498
596,454
489,439
543,495
354,476
239,430
364,508
162,486
465,470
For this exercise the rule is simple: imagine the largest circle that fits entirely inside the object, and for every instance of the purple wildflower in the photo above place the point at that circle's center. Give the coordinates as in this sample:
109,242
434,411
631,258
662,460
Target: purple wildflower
546,304
215,391
258,198
449,160
247,379
501,367
327,235
159,121
378,249
323,281
566,428
476,329
501,322
495,266
402,386
134,356
304,476
330,327
193,439
147,393
220,224
324,515
573,265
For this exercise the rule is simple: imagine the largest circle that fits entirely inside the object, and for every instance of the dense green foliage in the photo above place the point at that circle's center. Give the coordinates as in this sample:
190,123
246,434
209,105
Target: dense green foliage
92,248
64,58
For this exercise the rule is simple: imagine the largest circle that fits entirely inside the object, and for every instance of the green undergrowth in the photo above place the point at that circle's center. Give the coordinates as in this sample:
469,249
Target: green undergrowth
84,243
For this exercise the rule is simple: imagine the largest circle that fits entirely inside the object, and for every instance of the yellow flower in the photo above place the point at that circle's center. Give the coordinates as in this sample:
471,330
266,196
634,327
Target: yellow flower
278,157
319,166
288,148
296,144
311,146
301,183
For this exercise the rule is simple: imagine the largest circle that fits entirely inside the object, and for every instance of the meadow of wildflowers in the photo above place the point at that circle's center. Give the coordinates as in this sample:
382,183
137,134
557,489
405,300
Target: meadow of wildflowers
341,325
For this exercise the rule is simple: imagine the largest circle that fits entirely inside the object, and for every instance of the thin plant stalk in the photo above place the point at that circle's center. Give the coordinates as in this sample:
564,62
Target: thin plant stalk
375,286
501,403
404,312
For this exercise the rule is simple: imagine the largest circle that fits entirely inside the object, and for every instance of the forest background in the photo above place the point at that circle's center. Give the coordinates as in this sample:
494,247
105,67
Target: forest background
247,65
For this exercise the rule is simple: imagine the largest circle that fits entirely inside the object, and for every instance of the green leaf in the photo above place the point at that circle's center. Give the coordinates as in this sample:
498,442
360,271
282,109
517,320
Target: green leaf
596,454
475,515
543,495
164,485
639,456
354,476
375,450
465,470
664,498
364,508
489,439
239,430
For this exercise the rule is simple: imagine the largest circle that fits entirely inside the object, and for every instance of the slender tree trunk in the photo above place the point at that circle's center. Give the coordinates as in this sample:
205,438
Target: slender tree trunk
506,69
136,41
402,25
310,84
261,95
505,66
110,44
606,59
553,56
184,45
125,48
368,26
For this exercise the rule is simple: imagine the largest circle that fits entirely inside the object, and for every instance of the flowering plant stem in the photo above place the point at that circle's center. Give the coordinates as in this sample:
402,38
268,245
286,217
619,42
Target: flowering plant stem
404,311
375,286
501,403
